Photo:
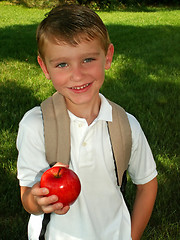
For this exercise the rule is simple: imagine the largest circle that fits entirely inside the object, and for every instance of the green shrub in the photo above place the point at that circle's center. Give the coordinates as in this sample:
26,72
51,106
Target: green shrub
96,4
38,4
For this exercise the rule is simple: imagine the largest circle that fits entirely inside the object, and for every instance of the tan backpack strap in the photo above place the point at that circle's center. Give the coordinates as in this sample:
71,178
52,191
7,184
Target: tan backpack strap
121,139
56,129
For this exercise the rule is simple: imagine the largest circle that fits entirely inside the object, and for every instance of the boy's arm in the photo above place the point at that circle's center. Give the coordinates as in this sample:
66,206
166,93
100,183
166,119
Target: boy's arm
35,202
143,206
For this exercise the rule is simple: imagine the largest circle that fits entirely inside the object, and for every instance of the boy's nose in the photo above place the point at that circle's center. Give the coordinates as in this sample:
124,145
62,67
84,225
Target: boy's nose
77,73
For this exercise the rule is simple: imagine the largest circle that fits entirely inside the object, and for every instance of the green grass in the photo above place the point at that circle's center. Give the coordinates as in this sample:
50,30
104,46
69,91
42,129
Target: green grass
144,79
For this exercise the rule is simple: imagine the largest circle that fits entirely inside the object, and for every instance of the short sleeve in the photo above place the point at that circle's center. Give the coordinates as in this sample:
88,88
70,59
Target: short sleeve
30,145
142,167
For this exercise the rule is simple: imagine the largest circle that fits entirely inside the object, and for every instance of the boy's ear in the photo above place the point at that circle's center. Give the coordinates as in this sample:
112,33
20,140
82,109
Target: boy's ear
109,56
43,67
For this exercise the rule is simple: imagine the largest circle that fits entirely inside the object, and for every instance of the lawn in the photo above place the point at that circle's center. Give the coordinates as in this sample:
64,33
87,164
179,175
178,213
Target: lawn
144,79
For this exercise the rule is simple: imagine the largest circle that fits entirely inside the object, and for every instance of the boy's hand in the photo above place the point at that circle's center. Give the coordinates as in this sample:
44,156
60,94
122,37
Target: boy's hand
35,201
47,204
59,164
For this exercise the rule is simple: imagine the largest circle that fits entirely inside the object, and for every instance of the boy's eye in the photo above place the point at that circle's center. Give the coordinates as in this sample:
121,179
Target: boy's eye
62,65
89,60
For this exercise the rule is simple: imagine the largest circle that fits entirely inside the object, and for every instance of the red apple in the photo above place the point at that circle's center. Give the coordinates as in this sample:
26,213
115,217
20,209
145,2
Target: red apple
63,183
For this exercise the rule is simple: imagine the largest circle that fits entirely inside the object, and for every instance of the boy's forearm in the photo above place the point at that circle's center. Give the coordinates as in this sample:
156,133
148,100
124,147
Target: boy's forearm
28,201
142,209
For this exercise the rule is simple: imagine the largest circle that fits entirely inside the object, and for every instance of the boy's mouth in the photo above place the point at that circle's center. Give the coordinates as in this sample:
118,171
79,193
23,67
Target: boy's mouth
81,87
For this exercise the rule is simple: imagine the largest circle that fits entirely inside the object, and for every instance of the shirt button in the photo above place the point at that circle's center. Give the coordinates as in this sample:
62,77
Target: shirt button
80,125
84,144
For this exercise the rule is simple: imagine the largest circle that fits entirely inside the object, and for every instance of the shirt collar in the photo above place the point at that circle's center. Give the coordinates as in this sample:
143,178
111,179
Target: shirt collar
105,112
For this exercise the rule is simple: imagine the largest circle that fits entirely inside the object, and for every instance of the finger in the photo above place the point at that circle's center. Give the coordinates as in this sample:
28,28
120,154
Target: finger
52,208
46,201
59,164
38,191
62,211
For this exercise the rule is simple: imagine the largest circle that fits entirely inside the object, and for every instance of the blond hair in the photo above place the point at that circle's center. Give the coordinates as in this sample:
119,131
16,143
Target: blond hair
71,24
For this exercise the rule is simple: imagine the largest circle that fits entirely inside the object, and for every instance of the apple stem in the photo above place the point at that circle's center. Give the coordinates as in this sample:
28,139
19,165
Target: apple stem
58,174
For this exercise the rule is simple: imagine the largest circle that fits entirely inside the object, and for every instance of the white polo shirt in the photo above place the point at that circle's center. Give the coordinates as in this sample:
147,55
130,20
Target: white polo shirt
100,212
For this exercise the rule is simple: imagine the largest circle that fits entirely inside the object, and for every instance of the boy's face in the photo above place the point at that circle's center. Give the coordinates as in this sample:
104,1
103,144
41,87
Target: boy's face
77,72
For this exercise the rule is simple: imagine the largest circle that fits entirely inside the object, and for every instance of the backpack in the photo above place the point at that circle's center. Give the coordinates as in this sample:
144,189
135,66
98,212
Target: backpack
57,137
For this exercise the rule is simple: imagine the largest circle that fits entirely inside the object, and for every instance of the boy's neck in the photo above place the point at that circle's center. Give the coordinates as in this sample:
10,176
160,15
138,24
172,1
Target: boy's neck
88,112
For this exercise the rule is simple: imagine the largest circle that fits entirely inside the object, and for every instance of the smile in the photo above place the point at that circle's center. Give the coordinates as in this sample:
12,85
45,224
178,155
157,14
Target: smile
79,88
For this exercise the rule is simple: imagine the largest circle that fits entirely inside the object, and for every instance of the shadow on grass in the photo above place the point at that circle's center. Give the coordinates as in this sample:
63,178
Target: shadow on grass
13,218
18,42
155,45
15,101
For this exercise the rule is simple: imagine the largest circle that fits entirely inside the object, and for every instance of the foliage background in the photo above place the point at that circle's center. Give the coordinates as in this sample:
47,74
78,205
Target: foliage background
98,4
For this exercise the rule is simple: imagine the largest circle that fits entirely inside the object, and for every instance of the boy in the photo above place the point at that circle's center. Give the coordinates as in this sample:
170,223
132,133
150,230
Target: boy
74,52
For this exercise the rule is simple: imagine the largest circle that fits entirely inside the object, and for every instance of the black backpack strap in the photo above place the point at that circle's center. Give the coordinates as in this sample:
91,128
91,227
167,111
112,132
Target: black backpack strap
46,219
45,222
124,182
123,188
